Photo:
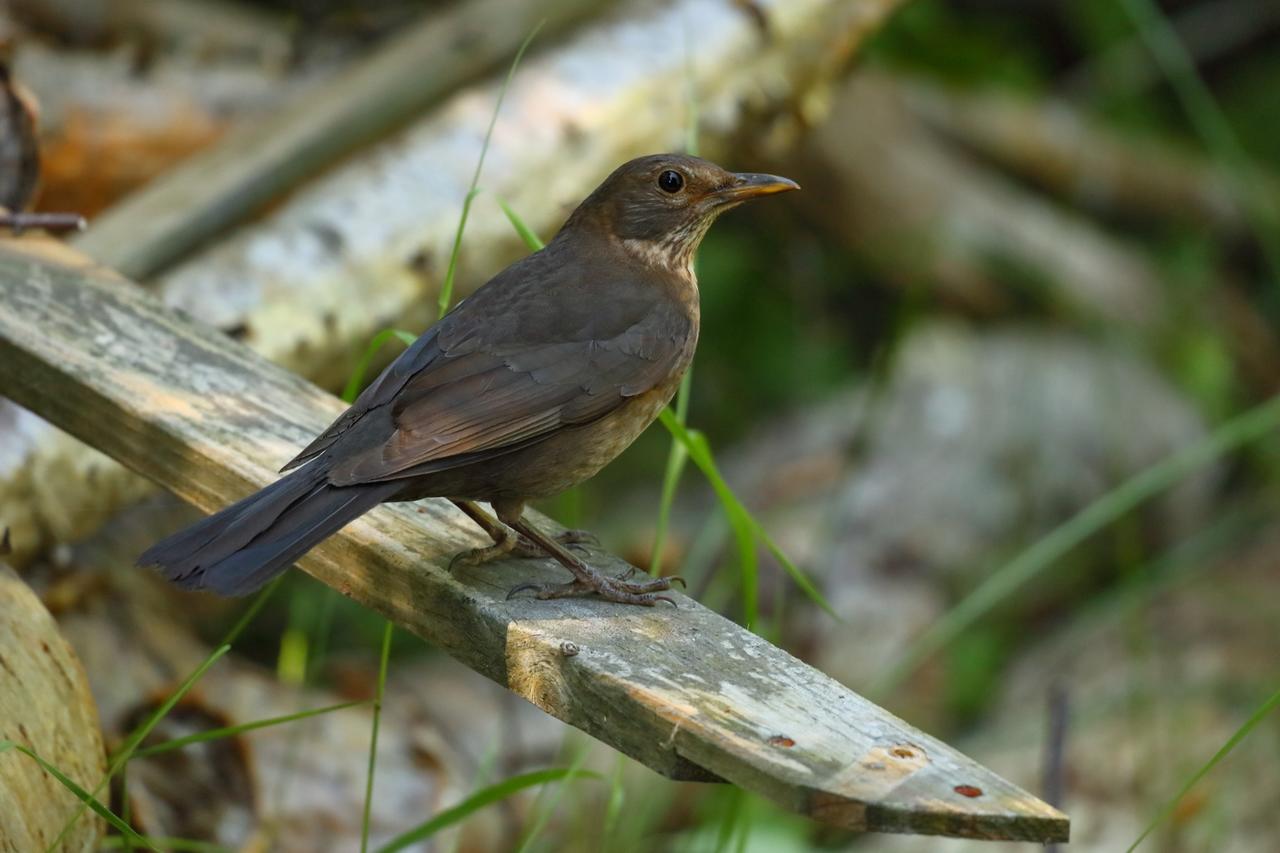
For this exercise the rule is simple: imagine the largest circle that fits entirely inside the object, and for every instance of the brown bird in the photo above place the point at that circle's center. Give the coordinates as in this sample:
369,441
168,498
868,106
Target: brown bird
529,386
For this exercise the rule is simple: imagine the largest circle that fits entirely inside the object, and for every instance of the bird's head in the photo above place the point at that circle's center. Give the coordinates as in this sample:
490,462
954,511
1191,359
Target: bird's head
660,206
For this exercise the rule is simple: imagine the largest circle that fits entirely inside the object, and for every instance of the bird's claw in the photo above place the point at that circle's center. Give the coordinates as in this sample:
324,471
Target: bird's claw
577,537
472,557
616,589
511,593
670,579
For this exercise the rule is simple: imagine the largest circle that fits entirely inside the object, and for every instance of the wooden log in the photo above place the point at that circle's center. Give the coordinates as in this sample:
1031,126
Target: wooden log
924,213
366,245
265,158
682,689
45,706
1054,144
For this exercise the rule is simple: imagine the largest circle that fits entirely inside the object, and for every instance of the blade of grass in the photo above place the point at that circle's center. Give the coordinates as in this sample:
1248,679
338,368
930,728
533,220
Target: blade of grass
480,799
446,289
166,843
231,731
1253,424
446,297
126,803
86,799
691,104
544,814
700,453
676,459
373,735
352,389
617,796
1241,733
1208,119
526,233
731,821
140,733
677,456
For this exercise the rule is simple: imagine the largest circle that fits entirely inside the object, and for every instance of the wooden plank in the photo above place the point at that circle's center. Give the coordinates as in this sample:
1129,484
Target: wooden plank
682,690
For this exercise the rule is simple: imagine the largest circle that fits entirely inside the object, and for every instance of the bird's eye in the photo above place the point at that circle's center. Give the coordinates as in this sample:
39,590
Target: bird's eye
671,181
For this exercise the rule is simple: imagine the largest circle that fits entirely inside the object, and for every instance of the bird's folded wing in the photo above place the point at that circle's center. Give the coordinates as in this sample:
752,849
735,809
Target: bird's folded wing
380,392
488,397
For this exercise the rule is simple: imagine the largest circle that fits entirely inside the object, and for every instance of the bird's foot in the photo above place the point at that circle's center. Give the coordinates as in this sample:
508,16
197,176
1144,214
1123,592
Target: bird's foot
619,589
480,556
526,548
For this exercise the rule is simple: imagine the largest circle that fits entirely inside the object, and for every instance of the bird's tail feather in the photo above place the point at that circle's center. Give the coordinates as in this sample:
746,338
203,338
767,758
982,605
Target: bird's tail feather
241,548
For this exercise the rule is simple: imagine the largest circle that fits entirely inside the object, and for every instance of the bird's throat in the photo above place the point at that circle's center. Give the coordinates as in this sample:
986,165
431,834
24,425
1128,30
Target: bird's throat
673,252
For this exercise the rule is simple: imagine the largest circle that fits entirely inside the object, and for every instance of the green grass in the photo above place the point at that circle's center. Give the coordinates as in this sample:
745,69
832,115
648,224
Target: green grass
747,531
678,455
184,845
232,731
1241,733
122,757
676,459
355,382
484,797
1256,423
87,800
446,289
132,742
1211,125
544,811
383,658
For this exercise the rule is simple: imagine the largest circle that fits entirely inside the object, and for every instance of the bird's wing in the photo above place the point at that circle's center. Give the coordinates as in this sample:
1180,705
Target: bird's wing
508,367
380,392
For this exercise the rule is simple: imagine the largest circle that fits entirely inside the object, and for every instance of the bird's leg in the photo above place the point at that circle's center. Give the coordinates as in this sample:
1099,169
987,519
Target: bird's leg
586,580
504,539
506,542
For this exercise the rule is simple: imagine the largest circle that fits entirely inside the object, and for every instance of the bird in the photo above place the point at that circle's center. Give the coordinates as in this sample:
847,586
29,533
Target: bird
529,386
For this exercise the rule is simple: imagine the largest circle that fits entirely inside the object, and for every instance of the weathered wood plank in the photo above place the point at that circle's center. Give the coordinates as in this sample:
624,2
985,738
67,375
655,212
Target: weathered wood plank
683,690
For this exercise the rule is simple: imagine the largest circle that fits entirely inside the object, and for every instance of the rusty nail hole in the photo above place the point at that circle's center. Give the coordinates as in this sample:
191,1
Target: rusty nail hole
782,741
968,791
902,752
568,648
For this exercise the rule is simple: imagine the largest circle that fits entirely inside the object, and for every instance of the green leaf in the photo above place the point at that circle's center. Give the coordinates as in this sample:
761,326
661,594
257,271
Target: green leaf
373,735
446,289
676,459
739,518
526,233
352,389
545,812
1234,741
230,731
86,799
1211,124
480,799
